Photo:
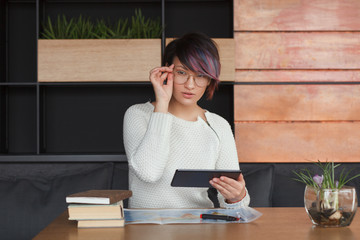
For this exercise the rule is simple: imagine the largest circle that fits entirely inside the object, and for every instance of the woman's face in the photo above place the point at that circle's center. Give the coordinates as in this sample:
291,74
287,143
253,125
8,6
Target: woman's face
186,90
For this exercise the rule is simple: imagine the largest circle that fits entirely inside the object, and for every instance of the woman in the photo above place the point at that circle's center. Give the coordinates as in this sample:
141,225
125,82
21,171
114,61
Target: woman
174,132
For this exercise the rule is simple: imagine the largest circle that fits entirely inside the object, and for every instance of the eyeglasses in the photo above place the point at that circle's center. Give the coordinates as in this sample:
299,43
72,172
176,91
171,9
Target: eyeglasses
182,76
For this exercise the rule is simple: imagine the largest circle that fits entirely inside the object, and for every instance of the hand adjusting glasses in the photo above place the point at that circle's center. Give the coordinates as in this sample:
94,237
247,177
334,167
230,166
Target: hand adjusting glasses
181,77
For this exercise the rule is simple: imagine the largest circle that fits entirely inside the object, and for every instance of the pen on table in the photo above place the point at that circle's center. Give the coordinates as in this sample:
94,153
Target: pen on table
219,217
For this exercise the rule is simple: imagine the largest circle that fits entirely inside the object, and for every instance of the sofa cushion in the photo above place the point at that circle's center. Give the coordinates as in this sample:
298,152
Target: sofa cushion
259,183
287,191
121,178
29,204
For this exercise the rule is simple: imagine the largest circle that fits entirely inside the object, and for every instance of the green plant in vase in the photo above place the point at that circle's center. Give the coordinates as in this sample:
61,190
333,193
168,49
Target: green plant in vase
328,201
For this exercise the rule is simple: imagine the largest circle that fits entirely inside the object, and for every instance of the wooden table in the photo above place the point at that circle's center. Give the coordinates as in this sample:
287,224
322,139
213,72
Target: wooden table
275,223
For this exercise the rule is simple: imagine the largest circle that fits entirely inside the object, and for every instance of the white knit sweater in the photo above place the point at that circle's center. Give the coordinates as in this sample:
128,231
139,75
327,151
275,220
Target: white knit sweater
157,144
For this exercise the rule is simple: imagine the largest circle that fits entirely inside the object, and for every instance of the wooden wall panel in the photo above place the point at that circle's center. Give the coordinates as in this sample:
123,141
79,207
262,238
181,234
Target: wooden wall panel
296,15
297,76
297,102
298,142
291,50
96,60
295,60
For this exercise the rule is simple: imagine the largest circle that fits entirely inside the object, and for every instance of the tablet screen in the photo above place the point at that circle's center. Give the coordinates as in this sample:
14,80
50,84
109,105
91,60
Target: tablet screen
200,178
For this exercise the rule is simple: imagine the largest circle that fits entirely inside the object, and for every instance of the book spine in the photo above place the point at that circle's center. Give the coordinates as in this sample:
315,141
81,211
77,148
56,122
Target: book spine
106,212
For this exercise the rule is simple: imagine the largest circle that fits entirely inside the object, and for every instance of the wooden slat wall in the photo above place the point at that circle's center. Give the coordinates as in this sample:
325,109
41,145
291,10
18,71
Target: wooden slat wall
298,141
297,97
297,50
296,15
278,75
297,102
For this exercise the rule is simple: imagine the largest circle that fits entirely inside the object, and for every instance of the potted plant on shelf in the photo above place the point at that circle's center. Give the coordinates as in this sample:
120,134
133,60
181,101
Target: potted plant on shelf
77,49
329,202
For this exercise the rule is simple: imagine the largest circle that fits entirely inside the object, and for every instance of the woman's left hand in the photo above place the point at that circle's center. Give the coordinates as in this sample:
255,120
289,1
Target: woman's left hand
232,190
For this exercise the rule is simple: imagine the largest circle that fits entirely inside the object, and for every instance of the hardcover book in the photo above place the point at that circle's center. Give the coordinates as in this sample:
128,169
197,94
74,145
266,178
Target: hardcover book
96,212
99,196
101,223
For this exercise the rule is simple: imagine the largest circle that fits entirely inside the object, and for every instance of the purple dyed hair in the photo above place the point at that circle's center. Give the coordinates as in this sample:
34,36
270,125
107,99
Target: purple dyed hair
198,53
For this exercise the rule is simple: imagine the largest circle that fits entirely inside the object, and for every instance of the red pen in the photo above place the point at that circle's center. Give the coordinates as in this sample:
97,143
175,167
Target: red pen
219,217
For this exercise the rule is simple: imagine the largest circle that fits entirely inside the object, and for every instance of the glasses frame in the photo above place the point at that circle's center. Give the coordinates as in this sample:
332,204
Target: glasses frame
186,77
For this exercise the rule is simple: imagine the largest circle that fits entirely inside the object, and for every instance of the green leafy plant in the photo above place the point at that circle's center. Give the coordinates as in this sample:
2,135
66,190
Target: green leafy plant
327,179
67,29
85,28
144,28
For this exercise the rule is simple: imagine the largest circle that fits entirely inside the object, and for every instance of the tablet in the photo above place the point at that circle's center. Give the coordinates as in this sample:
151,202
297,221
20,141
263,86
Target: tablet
200,178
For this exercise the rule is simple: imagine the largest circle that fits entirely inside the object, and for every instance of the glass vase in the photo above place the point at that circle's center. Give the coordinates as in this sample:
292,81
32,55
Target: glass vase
331,207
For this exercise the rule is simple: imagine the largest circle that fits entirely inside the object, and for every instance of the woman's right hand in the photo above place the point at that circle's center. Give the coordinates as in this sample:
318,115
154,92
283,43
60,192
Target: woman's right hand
163,92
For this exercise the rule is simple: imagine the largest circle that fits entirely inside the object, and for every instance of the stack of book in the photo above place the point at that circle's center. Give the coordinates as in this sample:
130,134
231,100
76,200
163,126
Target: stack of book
98,208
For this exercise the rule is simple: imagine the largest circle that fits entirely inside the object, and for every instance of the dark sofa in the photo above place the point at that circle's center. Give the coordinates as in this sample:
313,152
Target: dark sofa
33,194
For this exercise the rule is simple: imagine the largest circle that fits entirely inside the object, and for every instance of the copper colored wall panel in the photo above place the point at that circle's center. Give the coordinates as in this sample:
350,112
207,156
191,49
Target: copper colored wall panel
297,102
297,92
298,142
297,76
296,15
292,50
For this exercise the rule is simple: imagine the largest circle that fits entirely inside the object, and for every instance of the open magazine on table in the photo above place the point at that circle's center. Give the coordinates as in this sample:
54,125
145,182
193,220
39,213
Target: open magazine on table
172,216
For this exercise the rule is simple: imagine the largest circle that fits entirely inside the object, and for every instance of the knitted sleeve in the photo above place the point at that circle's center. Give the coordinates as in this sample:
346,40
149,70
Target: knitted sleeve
146,141
228,159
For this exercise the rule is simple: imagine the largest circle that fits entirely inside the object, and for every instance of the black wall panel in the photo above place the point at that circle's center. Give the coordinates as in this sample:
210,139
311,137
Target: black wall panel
22,120
88,119
21,44
214,18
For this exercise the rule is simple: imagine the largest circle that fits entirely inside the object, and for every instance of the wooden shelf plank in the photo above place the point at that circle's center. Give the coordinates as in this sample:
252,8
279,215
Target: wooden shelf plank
96,60
227,58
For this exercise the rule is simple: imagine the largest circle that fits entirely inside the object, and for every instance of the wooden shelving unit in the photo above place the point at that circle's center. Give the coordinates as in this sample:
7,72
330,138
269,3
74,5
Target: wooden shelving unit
49,117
